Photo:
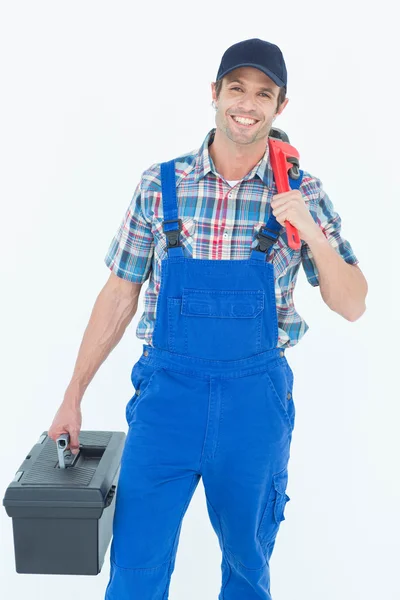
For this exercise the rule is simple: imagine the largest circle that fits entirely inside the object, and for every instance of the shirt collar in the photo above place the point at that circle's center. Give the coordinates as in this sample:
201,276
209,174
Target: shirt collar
204,163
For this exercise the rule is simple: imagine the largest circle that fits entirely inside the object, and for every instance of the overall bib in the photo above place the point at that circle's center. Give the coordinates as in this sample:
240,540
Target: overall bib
214,400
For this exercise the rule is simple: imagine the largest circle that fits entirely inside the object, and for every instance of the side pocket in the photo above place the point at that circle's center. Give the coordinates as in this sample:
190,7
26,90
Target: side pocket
290,406
129,407
281,386
274,511
142,377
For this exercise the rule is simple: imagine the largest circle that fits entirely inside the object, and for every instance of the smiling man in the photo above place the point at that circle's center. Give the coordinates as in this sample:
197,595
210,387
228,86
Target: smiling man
213,388
216,388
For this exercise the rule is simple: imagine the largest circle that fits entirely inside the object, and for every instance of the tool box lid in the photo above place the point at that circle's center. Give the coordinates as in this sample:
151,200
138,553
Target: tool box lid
84,482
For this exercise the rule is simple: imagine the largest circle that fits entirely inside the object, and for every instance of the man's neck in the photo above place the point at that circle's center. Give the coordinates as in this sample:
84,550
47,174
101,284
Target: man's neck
233,161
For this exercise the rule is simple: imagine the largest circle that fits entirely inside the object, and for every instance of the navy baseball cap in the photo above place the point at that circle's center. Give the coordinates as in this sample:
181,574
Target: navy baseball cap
262,55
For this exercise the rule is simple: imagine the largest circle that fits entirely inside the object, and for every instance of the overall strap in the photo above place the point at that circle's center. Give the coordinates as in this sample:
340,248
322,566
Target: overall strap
171,224
269,233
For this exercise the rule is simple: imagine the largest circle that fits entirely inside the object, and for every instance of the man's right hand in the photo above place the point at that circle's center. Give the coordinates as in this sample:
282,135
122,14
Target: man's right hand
68,419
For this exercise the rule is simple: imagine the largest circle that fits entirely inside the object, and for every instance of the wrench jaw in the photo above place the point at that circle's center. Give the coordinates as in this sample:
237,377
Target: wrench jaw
279,134
294,172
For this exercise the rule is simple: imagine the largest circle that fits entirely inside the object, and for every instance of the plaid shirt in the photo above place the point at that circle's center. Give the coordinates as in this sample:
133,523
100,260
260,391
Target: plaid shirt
219,222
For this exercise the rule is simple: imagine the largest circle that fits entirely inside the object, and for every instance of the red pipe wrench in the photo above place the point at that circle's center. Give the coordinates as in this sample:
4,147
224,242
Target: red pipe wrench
284,161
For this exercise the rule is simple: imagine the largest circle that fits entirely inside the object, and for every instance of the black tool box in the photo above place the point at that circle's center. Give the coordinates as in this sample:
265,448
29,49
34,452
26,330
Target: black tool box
62,505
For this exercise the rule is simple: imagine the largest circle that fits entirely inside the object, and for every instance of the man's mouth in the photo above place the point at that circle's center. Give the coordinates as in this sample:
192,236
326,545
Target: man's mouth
244,121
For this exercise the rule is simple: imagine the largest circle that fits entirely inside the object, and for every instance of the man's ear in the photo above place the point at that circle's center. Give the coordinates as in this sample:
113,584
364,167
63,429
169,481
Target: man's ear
283,106
214,96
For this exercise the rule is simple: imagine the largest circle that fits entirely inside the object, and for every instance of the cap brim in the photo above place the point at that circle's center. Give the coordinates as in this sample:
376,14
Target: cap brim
260,68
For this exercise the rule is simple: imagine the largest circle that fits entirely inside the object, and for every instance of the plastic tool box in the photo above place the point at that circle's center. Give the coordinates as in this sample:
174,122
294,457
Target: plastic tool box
62,504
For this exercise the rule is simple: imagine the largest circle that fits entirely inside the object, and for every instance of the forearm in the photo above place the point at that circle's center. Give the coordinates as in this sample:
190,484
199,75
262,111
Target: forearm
343,286
111,314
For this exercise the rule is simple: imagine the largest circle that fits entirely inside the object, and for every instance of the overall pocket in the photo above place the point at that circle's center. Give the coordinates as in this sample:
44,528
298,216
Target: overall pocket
213,323
280,380
142,376
290,406
274,511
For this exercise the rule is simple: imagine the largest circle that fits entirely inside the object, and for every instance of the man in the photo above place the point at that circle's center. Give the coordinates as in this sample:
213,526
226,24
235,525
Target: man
213,388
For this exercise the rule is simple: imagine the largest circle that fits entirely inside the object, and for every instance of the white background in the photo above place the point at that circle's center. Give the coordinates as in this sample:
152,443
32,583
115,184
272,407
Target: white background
92,94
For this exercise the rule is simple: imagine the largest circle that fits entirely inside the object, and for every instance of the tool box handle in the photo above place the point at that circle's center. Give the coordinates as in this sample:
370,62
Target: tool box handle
62,443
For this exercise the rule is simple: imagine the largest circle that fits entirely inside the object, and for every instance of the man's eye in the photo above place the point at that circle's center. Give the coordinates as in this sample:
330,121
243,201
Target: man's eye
263,93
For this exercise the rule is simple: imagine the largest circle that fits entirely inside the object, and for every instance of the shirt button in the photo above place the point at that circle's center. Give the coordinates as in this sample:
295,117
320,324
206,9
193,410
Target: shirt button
145,353
137,392
289,396
281,353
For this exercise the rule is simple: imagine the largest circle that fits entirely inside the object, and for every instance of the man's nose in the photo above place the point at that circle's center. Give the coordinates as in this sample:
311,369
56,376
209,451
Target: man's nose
248,106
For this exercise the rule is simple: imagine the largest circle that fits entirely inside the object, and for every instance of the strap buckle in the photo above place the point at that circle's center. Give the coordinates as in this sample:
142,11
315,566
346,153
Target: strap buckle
266,240
173,234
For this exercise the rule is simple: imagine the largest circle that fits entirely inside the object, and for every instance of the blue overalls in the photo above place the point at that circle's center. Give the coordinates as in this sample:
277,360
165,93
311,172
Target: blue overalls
214,400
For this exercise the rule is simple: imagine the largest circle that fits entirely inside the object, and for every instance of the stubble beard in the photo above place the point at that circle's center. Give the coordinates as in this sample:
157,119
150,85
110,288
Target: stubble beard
245,139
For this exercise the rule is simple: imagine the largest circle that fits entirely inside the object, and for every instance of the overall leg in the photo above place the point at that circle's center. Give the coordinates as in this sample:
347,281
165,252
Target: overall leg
245,476
158,476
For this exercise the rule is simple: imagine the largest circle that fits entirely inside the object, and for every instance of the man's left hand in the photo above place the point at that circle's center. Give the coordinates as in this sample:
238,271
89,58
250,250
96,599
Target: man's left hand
290,206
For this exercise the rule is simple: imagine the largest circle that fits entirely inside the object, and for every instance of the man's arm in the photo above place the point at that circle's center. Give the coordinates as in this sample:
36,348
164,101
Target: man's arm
113,310
327,257
129,258
343,286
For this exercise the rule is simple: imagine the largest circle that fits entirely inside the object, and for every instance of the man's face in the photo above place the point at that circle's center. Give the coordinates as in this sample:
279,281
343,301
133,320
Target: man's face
249,93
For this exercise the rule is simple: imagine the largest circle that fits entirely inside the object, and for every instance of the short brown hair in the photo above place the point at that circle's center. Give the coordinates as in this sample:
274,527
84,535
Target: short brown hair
281,95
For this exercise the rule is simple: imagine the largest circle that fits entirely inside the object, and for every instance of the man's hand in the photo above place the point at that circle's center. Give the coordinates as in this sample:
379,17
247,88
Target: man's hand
68,419
290,206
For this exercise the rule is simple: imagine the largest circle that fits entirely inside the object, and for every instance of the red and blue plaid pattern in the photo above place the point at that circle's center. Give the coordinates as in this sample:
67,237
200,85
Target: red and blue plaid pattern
219,222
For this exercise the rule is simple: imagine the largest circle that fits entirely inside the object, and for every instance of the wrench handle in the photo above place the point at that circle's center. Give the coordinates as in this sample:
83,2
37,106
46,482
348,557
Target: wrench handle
279,150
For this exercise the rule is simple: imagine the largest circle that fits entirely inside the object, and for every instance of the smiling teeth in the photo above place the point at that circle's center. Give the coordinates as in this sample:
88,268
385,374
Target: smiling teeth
244,121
